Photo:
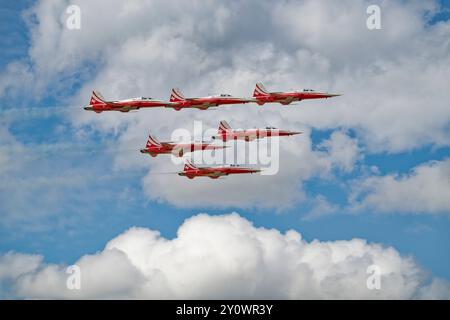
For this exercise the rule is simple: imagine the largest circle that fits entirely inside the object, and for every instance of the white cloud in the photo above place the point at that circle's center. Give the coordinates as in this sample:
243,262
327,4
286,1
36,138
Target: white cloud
320,207
425,189
343,149
227,257
437,289
13,265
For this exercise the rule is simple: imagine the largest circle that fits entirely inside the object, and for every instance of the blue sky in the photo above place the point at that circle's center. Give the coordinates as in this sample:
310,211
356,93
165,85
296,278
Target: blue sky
105,201
15,37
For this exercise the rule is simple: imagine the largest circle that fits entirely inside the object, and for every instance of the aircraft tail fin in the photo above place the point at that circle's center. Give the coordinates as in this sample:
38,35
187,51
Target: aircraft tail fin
260,90
188,165
152,142
176,95
97,98
224,126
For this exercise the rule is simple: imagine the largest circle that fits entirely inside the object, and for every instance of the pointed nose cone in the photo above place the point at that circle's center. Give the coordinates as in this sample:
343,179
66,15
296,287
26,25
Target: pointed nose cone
293,133
331,95
143,150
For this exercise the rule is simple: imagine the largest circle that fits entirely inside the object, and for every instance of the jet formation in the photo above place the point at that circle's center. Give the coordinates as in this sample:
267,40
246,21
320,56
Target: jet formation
178,101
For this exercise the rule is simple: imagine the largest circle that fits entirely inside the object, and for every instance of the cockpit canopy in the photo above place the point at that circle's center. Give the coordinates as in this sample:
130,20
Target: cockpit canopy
270,128
224,95
141,99
308,90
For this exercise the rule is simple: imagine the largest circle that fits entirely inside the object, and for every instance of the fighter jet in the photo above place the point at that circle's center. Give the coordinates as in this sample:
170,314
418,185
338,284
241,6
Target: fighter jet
98,104
263,96
154,147
203,103
191,171
226,133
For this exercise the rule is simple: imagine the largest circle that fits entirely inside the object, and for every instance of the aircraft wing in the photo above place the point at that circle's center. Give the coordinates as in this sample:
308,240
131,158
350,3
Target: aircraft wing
123,107
216,174
166,144
199,100
170,104
205,106
288,100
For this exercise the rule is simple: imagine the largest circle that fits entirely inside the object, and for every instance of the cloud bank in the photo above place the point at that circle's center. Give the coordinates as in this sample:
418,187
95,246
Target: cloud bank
225,257
424,190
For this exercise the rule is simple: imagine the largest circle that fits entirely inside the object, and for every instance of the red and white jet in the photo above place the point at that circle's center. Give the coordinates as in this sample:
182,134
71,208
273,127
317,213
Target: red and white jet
154,147
98,104
204,103
226,133
263,96
191,171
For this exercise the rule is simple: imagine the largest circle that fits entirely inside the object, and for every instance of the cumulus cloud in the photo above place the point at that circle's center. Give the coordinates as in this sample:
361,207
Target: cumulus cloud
343,149
227,257
437,289
423,190
13,265
320,207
